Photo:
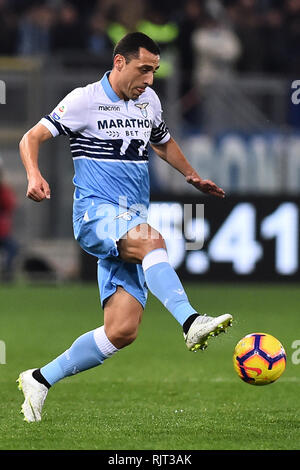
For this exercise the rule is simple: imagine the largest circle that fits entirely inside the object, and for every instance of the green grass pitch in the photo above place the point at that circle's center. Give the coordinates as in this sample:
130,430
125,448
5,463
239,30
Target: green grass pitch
155,394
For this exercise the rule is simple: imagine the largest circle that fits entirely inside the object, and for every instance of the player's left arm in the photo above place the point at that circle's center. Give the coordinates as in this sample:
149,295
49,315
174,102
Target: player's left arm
172,154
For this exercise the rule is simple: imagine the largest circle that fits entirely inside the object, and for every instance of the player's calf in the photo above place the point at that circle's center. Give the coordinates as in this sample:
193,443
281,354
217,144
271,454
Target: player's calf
122,316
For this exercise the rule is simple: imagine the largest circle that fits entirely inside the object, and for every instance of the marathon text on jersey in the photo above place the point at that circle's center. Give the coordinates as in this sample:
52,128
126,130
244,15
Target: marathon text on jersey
117,123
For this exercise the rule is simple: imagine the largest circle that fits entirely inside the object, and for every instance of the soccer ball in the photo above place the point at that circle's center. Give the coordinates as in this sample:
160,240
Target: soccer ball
259,359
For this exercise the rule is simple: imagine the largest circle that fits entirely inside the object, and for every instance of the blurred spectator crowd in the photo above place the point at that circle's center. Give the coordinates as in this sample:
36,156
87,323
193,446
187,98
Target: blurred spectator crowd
256,36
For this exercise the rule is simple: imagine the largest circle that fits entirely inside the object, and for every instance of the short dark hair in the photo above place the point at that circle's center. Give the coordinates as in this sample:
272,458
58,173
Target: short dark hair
129,45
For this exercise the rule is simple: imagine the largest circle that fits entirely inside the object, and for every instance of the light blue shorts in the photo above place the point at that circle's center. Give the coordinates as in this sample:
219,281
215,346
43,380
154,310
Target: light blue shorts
97,233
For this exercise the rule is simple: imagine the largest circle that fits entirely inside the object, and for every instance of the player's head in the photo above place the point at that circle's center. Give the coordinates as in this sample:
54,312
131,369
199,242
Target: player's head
135,60
129,46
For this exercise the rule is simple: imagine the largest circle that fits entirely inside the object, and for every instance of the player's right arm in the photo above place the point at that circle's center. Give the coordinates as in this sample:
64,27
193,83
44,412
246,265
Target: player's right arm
70,115
38,189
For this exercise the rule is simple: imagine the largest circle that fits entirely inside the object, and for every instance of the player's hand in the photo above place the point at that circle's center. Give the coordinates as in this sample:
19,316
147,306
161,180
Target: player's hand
38,188
206,186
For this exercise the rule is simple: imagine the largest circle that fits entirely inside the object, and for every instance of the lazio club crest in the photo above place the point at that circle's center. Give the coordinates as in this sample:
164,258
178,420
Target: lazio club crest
142,107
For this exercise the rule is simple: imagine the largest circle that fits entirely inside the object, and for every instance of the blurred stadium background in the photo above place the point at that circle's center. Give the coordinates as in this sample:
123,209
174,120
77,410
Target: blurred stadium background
228,85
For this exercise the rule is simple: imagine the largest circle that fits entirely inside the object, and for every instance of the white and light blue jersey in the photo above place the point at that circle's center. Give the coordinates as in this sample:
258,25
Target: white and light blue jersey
109,140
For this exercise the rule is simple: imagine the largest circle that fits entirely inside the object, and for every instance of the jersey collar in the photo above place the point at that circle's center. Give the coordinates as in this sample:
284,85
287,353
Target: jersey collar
108,89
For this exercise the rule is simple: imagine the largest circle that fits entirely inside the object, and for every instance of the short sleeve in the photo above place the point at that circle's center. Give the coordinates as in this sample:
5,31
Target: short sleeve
160,132
70,115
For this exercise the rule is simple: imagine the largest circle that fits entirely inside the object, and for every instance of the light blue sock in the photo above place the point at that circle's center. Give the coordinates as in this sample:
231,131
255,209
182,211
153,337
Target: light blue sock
84,354
164,283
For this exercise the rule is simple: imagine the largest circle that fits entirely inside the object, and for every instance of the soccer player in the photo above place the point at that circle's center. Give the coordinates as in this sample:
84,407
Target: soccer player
109,124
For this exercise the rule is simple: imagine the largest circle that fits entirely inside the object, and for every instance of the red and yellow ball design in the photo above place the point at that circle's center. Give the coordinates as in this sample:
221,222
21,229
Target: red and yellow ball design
259,359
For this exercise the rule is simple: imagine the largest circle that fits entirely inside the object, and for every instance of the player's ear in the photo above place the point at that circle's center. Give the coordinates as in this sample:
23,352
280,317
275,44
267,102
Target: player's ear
119,62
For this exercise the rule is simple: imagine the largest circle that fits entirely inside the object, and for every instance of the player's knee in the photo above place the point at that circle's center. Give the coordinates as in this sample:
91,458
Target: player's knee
122,334
140,242
153,244
150,245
